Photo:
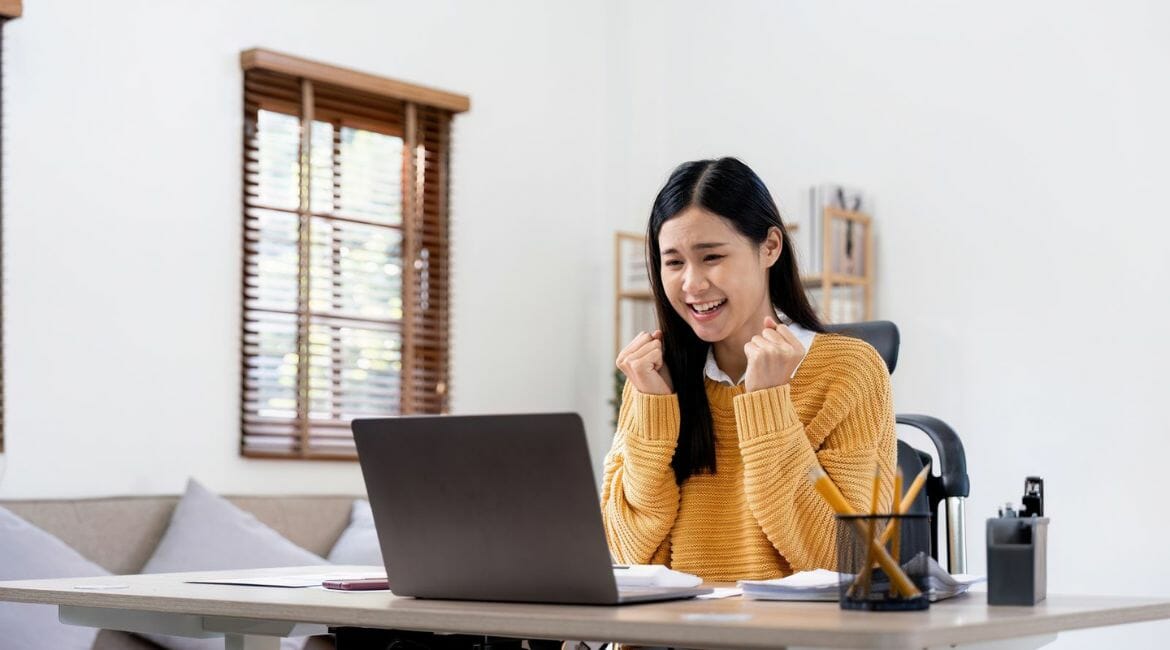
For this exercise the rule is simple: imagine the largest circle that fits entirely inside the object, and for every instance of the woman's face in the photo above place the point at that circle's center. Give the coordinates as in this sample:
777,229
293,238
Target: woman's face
714,277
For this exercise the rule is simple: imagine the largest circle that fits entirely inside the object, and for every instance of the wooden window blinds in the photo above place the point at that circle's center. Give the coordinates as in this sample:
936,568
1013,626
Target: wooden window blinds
346,253
9,9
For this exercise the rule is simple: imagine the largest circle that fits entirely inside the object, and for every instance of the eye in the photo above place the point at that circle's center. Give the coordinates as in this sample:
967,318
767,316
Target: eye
672,263
713,258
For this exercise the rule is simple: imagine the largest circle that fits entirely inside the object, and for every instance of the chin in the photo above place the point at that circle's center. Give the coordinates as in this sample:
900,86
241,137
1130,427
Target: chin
708,334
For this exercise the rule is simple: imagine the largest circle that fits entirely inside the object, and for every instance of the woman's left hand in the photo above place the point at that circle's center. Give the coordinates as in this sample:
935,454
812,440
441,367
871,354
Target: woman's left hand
772,357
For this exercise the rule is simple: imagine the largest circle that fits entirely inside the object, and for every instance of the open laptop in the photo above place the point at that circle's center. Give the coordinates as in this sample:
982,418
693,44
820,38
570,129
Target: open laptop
491,507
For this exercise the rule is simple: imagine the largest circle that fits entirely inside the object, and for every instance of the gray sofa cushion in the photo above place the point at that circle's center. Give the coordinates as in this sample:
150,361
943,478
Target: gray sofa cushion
120,533
358,543
207,533
28,553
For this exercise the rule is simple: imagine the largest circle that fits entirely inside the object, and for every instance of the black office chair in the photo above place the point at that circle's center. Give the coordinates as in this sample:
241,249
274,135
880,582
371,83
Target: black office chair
951,486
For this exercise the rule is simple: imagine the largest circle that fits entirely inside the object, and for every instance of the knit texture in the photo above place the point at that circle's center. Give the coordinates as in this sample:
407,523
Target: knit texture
757,516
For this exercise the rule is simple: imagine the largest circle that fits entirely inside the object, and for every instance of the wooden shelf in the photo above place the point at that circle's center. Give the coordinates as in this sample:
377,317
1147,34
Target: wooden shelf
10,8
848,215
832,250
811,281
630,302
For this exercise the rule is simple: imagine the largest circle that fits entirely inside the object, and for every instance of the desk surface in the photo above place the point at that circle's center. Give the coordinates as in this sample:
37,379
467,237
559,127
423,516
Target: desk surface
732,622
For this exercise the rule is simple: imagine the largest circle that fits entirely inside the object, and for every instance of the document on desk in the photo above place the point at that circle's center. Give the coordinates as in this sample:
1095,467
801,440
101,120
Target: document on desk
293,581
824,585
652,575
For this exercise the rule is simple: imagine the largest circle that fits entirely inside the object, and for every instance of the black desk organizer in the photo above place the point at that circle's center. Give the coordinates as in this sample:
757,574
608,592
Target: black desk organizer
1017,551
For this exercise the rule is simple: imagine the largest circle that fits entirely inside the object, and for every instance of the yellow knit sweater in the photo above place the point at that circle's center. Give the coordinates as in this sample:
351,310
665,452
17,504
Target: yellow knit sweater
757,516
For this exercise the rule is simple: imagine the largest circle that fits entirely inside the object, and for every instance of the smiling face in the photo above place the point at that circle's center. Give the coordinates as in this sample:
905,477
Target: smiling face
715,278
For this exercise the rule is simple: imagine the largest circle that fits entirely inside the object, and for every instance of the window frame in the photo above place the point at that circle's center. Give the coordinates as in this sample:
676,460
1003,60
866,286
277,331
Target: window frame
425,131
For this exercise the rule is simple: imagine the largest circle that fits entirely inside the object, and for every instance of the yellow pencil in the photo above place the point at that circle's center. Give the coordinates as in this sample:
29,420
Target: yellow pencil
908,499
896,525
862,582
829,492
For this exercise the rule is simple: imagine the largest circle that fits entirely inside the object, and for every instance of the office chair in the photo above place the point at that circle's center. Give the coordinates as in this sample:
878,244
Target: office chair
951,487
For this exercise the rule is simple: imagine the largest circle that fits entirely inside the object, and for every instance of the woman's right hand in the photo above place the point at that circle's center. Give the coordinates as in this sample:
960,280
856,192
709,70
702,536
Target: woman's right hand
642,363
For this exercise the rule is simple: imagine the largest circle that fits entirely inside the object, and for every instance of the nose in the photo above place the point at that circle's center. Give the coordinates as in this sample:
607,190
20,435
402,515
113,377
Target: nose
694,280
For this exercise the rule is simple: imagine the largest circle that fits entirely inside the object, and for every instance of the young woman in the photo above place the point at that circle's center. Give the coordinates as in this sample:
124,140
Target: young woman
740,393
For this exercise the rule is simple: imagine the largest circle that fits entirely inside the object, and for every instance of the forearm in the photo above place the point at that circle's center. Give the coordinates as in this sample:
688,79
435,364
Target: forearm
639,494
777,455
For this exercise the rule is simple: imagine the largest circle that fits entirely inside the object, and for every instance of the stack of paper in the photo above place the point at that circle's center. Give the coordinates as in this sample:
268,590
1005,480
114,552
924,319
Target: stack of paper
652,575
939,583
824,585
804,585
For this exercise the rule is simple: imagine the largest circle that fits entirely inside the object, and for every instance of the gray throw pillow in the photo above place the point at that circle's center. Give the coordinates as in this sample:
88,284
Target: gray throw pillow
209,533
29,553
358,543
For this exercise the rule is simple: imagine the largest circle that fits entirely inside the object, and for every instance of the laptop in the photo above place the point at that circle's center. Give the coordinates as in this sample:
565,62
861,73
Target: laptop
491,507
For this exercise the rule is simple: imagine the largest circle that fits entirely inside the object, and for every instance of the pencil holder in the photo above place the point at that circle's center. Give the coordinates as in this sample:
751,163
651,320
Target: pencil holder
882,561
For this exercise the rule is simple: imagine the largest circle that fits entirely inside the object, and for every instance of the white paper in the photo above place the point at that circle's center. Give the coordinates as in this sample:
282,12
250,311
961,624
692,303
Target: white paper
299,580
721,592
823,585
653,575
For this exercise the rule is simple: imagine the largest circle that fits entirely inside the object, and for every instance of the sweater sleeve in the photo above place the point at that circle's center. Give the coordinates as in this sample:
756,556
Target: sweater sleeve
778,453
639,497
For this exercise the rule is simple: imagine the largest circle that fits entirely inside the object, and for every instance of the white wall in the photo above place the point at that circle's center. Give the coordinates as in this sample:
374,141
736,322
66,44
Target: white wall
1017,153
122,217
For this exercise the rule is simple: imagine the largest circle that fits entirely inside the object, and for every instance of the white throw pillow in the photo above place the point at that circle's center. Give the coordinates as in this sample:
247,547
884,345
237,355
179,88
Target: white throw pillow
29,553
208,533
358,543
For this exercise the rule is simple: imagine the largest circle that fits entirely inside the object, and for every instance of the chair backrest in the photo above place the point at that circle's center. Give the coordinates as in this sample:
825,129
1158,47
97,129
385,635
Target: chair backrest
951,485
881,334
886,340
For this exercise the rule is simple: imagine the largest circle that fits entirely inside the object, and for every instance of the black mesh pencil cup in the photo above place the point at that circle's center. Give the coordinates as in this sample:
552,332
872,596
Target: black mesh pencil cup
882,560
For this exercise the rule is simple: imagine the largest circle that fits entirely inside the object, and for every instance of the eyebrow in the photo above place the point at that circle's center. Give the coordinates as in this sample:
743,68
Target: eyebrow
699,247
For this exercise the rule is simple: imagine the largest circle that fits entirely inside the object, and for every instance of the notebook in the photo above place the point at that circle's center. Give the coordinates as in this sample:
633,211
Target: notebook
491,507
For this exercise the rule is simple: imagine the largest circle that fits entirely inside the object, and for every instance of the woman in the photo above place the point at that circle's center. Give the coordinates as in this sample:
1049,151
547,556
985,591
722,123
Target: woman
708,474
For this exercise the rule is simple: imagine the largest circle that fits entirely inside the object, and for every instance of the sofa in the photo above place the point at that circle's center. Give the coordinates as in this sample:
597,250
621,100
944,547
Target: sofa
121,533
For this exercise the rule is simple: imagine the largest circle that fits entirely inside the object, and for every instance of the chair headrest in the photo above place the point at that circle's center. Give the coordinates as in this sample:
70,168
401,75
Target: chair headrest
881,334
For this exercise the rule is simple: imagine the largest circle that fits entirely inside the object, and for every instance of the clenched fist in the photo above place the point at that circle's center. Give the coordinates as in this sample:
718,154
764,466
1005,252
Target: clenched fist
642,363
772,357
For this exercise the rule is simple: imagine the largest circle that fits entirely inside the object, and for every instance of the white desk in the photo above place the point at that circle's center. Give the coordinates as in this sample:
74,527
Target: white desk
253,618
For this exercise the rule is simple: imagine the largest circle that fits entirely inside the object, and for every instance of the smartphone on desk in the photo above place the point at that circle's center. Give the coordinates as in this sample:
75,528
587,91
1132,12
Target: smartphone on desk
357,584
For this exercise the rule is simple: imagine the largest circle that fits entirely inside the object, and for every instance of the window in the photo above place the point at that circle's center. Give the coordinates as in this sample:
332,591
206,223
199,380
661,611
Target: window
9,9
346,268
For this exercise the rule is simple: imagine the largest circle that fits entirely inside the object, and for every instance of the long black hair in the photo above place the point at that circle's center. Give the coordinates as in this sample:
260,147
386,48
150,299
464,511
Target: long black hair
730,189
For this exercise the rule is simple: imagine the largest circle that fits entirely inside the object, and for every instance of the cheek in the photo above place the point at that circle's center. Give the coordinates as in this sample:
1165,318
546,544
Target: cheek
740,285
673,285
673,288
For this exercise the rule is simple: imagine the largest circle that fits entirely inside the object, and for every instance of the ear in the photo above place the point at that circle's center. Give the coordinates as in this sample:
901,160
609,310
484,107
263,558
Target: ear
771,247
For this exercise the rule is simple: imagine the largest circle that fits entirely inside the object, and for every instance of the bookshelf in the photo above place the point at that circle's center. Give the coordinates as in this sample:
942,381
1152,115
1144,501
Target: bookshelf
633,309
842,289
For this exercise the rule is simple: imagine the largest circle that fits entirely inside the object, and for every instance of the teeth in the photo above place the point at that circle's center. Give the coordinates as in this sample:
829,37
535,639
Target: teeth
707,306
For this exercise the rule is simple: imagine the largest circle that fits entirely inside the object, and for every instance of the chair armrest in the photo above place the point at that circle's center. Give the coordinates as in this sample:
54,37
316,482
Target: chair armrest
951,457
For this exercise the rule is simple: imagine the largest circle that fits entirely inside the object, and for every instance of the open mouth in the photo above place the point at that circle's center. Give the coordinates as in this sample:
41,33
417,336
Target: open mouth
707,309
